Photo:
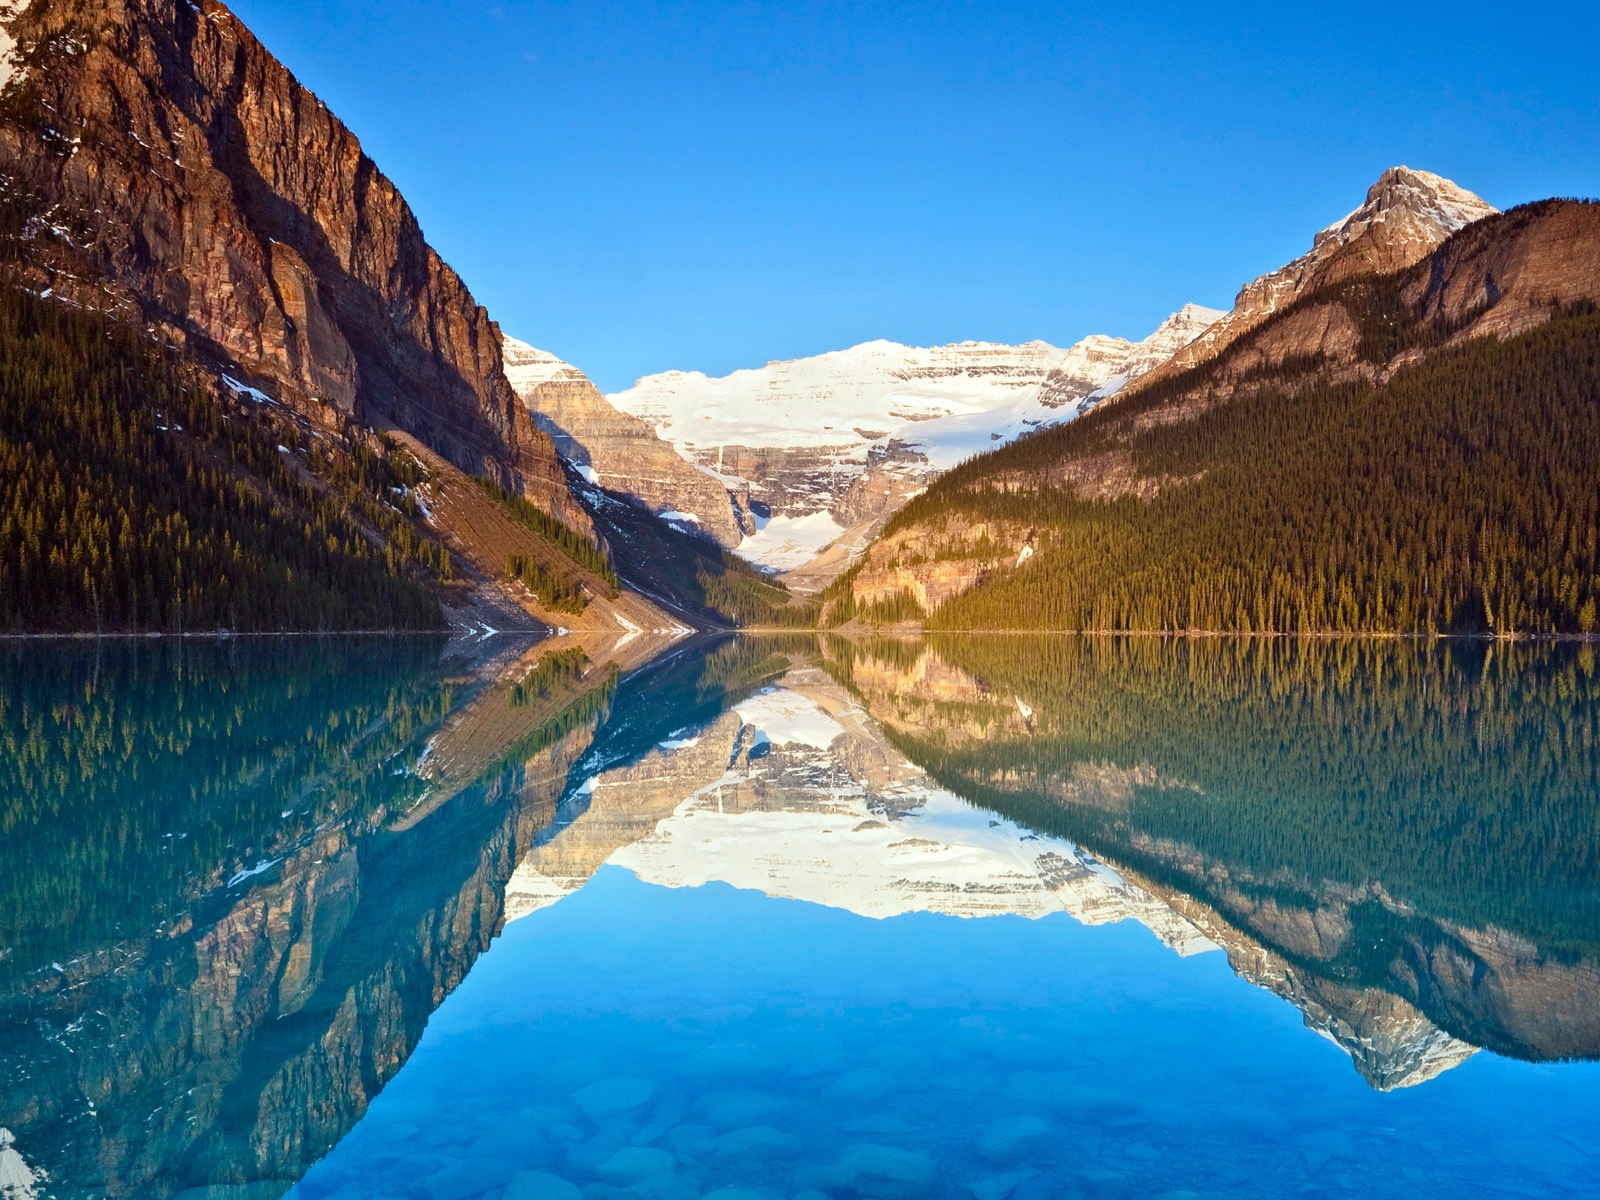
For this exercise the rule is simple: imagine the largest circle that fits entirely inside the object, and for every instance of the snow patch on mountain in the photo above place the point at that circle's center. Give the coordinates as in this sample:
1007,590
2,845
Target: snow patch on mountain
782,543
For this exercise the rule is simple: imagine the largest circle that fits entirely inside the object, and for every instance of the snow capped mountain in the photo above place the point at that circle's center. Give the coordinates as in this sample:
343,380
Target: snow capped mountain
1091,370
528,367
1101,366
846,398
837,442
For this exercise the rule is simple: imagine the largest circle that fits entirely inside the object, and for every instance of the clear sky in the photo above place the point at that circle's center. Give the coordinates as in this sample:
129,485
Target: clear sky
645,186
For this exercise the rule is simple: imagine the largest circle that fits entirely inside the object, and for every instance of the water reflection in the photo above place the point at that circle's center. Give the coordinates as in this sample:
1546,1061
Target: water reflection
1416,821
1327,815
238,881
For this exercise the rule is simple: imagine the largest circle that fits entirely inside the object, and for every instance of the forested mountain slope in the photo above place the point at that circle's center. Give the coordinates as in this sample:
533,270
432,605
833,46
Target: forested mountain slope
221,248
1410,452
135,498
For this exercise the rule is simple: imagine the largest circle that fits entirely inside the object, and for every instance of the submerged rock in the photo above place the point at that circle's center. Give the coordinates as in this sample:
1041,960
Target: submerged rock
859,1087
999,1187
736,1108
467,1178
758,1142
1014,1140
610,1099
883,1173
634,1164
539,1185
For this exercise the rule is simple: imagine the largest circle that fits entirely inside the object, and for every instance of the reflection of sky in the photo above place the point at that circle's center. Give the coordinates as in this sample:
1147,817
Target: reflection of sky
742,1041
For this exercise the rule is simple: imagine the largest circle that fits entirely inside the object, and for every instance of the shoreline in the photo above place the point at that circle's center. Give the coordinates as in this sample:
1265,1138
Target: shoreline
228,635
904,631
225,635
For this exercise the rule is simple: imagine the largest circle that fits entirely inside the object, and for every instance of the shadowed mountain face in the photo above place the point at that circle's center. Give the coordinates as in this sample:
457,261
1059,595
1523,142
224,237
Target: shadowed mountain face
1398,839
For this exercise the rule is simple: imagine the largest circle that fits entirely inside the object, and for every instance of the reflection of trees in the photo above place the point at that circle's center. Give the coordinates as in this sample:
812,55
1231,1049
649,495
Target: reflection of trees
1420,817
135,778
232,1033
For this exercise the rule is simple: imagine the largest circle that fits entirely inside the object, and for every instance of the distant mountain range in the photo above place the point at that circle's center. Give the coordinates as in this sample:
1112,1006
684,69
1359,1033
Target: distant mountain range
823,449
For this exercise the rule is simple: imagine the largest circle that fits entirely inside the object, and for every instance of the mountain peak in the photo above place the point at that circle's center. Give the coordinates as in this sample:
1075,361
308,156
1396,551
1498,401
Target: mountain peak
1192,319
1404,196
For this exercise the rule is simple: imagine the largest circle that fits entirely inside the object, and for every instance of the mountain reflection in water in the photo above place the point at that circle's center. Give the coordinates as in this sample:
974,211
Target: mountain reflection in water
239,880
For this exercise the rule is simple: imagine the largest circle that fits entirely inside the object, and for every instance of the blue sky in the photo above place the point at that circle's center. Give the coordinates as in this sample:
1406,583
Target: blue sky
645,186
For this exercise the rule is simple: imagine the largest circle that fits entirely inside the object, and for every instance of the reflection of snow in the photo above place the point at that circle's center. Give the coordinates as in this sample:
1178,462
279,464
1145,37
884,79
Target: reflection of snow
17,1180
788,718
632,631
820,832
829,847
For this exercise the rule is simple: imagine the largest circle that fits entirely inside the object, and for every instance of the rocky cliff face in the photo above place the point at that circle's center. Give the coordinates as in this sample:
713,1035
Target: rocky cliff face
620,452
161,164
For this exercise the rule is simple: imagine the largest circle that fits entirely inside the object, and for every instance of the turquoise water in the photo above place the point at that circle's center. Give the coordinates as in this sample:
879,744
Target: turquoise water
779,1048
788,919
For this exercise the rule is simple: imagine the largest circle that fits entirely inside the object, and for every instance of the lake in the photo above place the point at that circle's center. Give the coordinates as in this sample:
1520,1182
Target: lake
790,918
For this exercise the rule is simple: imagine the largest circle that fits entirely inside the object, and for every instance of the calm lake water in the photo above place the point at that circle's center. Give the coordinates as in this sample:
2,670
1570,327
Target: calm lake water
789,919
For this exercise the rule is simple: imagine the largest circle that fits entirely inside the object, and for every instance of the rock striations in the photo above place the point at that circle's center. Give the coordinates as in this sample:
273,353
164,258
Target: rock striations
161,164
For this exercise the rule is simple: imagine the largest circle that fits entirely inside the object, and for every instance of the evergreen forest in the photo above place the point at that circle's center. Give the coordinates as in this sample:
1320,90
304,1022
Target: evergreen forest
1462,496
133,499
